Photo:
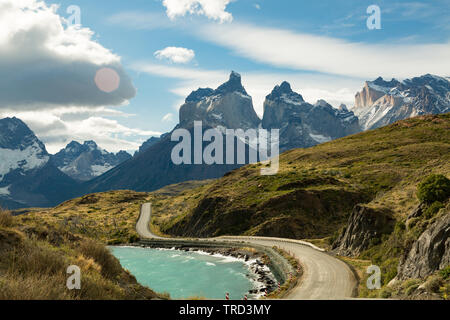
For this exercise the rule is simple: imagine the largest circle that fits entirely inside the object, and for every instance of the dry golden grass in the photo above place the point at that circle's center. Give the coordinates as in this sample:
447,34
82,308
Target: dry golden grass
34,261
110,266
6,219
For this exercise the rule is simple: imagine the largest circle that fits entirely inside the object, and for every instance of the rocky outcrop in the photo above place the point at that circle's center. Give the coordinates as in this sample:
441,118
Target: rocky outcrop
431,252
304,125
365,226
372,91
228,106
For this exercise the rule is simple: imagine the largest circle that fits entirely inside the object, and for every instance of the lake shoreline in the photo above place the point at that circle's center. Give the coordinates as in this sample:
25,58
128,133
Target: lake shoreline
260,273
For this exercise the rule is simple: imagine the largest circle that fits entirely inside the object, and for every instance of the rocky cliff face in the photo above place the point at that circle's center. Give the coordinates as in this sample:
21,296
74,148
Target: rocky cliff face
431,252
27,176
304,125
228,106
383,102
365,226
87,161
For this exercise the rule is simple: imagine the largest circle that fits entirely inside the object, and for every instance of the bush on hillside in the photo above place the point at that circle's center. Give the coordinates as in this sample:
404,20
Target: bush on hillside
435,187
445,273
433,209
111,267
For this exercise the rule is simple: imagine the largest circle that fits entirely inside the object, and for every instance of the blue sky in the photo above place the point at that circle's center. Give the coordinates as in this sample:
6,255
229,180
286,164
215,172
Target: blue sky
323,48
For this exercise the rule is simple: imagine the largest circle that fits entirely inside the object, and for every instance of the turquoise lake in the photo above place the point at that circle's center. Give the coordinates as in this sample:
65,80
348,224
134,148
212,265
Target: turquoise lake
187,274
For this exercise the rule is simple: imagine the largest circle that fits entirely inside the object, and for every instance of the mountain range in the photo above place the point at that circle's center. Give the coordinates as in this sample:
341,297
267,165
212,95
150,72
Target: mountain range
86,161
85,168
383,102
28,176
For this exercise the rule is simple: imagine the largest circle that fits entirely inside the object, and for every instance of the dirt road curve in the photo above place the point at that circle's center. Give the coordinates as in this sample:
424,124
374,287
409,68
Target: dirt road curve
325,277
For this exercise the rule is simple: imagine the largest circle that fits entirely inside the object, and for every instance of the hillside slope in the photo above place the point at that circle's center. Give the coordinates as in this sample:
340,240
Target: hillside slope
357,193
316,188
34,259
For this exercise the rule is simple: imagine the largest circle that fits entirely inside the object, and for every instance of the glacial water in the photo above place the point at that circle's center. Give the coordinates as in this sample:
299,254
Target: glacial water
187,274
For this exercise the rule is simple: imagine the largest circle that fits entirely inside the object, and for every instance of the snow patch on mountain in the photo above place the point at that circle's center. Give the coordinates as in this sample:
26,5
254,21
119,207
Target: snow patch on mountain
4,192
320,138
98,170
27,159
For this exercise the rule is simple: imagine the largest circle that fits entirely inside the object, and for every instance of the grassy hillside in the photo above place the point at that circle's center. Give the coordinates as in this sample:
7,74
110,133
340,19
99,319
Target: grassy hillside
34,259
109,217
317,187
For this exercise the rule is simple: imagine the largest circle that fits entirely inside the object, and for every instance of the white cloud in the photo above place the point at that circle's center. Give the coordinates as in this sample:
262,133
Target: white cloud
45,64
57,127
168,118
301,51
312,87
175,54
47,80
257,6
213,9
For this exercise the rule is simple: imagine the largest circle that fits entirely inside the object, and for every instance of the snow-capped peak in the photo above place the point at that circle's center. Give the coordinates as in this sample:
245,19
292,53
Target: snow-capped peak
20,149
86,161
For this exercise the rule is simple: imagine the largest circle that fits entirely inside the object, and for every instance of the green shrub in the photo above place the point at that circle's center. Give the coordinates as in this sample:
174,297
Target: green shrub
433,284
389,269
133,238
433,209
385,293
399,227
410,290
435,187
445,273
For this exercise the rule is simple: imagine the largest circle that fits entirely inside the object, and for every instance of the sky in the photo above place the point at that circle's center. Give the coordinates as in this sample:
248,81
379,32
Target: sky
116,71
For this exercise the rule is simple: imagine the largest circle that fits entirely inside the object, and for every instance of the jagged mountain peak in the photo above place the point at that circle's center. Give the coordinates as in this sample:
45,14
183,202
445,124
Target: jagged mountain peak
382,102
430,82
234,84
228,106
91,144
73,144
199,94
284,93
86,161
27,177
74,147
322,103
383,83
15,134
343,108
